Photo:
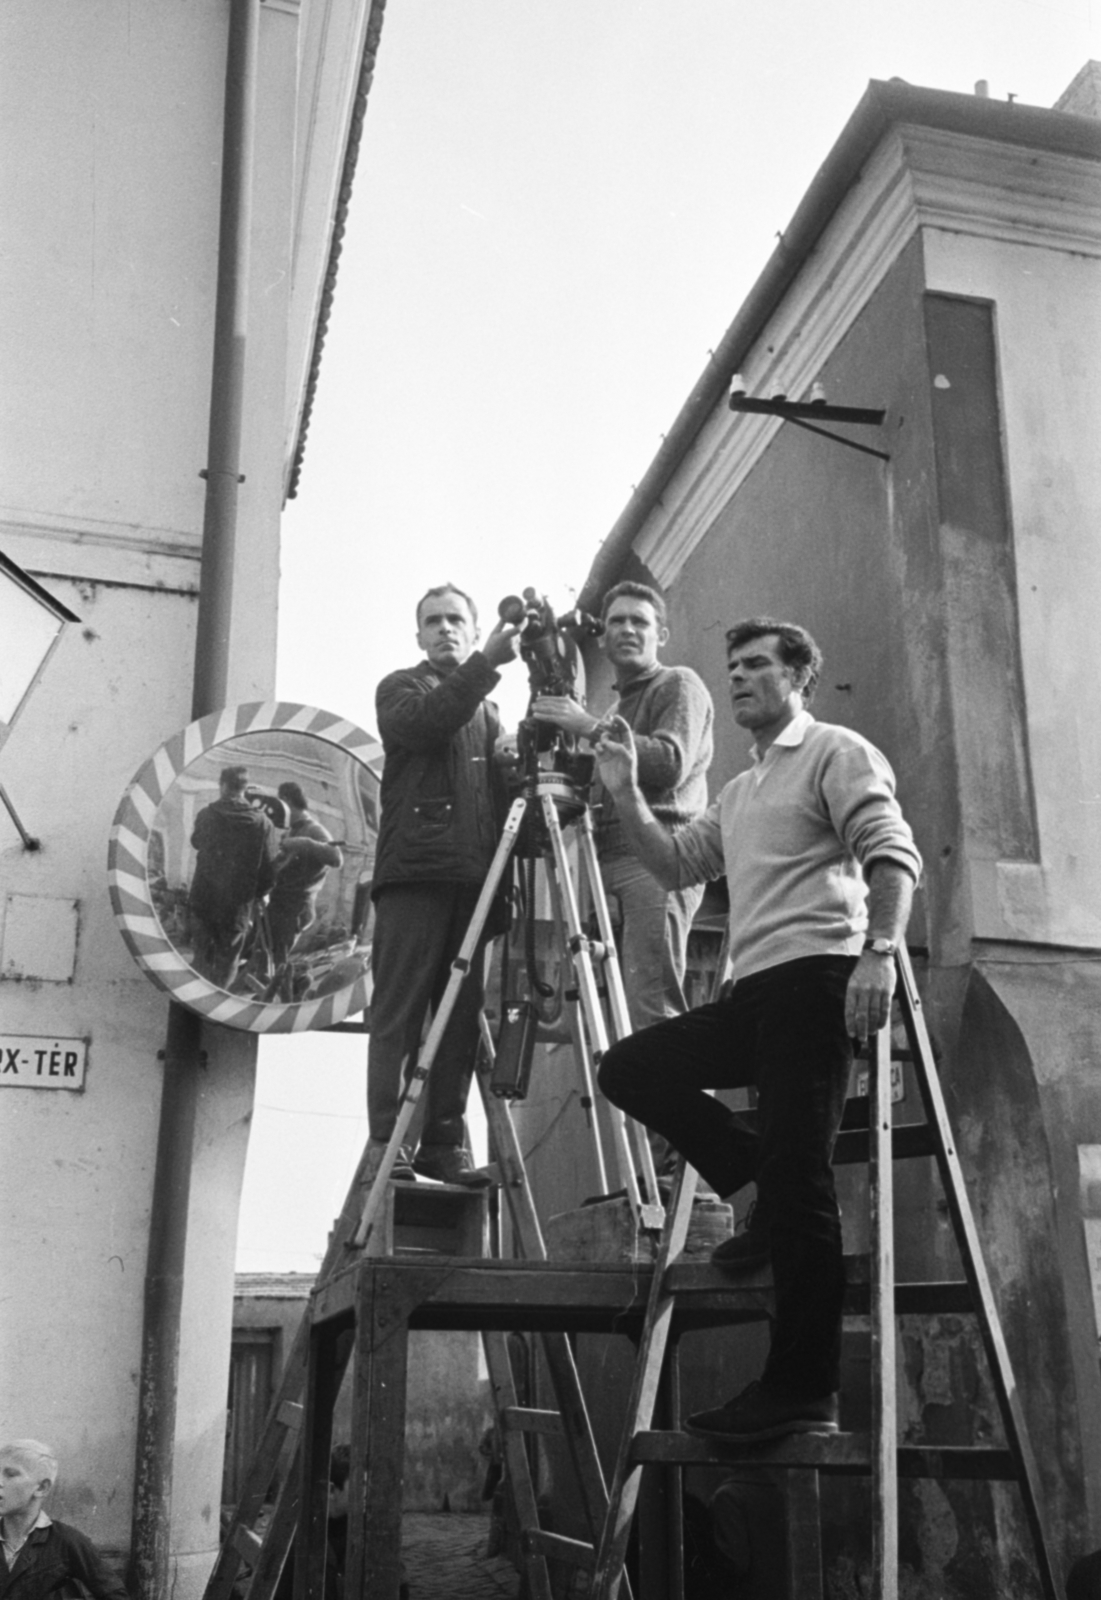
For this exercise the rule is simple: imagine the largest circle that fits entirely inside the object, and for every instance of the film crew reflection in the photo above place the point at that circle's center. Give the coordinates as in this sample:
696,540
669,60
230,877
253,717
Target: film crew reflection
670,713
820,865
235,853
443,804
306,853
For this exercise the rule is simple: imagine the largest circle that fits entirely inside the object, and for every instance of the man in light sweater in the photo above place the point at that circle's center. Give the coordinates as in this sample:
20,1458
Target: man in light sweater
821,866
670,714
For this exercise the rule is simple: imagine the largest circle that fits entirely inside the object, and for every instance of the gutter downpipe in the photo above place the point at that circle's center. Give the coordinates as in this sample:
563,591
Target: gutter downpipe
184,1057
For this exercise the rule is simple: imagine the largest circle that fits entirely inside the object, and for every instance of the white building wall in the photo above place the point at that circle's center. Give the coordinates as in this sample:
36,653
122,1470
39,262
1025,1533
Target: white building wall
107,286
1048,329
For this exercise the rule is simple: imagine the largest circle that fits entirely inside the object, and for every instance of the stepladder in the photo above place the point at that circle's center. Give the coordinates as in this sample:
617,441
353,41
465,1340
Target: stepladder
307,1390
874,1297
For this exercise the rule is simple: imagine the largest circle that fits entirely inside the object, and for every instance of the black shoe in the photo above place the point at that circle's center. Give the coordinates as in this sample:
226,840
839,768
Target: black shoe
400,1172
759,1413
449,1163
748,1250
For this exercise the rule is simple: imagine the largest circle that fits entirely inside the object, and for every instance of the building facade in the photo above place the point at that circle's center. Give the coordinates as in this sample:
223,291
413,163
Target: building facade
112,195
945,266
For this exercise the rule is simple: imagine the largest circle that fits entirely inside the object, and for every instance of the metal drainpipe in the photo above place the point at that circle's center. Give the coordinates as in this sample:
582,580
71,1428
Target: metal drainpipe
184,1058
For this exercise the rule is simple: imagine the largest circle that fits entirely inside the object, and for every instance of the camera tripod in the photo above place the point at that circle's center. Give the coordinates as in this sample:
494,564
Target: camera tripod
548,798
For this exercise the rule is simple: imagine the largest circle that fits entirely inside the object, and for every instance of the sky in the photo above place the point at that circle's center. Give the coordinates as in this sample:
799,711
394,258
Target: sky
559,207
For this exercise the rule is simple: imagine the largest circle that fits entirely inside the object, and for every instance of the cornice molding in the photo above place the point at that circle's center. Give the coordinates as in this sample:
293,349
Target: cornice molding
918,179
102,552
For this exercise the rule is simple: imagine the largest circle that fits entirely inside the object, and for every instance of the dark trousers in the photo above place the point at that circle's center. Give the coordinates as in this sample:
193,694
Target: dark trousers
783,1031
419,929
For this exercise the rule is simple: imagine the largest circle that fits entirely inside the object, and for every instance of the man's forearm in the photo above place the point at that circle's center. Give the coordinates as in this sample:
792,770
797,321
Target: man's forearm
890,896
652,843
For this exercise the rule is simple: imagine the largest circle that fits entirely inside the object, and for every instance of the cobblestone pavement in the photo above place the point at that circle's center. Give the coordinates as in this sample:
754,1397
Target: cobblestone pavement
444,1556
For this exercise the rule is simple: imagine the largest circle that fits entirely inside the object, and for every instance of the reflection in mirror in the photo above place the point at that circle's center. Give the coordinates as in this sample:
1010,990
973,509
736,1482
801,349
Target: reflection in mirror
261,855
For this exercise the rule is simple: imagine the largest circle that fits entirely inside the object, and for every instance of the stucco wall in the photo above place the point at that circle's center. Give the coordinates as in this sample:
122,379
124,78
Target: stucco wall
107,289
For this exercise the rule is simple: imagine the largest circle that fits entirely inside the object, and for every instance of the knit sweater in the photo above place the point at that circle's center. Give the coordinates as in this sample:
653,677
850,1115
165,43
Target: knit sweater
792,835
669,711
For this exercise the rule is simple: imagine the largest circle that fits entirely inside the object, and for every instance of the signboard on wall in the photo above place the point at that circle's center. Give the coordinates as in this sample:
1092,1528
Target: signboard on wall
40,1061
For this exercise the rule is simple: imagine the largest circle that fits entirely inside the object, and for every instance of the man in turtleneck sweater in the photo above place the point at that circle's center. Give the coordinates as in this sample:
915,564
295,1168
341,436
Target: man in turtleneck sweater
670,714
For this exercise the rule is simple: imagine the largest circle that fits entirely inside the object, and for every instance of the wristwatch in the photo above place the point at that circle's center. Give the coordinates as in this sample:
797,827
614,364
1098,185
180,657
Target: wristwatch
882,947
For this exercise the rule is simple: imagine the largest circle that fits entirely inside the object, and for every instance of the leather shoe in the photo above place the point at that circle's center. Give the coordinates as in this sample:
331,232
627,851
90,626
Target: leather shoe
400,1172
758,1413
748,1250
449,1163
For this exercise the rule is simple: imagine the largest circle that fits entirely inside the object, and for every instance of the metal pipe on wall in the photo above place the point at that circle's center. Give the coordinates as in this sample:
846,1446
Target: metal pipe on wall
183,1056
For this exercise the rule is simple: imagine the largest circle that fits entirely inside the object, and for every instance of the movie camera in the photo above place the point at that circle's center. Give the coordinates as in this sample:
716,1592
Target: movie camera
549,645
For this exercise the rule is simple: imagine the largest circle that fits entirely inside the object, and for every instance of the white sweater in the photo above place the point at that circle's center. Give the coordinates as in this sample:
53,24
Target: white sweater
792,835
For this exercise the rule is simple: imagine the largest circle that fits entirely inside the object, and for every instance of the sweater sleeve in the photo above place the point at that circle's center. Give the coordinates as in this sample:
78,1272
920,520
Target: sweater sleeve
858,789
415,719
679,717
699,847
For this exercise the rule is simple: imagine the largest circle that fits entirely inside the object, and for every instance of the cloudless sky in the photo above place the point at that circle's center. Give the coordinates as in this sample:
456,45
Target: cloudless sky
559,207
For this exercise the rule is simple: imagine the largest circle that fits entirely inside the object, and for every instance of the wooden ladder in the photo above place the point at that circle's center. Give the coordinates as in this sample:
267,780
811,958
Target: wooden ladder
303,1506
878,1454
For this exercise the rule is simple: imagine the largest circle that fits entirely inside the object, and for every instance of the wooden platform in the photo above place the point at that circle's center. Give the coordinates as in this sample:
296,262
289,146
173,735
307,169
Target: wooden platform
381,1300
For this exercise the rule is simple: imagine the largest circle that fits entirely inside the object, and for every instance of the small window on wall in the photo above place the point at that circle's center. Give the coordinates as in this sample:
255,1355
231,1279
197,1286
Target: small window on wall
980,580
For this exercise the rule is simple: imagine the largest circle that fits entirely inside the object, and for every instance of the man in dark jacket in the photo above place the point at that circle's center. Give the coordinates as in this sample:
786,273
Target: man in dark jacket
441,815
39,1557
235,847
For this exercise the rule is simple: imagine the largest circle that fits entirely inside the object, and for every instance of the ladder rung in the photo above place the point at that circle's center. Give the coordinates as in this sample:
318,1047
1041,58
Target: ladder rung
907,1139
526,1419
539,1542
290,1415
842,1453
247,1544
928,1299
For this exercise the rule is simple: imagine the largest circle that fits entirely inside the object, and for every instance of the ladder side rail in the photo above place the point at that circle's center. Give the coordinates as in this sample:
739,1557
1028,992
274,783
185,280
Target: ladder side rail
967,1239
277,1541
635,1133
376,1479
884,1434
517,1465
330,1347
608,1573
460,969
803,1533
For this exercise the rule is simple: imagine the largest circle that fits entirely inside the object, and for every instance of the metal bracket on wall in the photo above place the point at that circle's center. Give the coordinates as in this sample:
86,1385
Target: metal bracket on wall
29,841
799,411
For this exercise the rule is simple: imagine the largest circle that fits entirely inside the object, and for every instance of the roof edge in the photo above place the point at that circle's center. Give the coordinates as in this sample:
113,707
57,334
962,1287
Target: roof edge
881,107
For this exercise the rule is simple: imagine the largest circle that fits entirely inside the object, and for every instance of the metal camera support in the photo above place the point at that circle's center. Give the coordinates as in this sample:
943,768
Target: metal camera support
544,794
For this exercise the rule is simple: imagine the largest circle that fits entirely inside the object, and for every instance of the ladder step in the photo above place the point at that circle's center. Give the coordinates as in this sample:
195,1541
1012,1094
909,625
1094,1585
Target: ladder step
555,1545
526,1419
908,1139
848,1454
247,1544
290,1415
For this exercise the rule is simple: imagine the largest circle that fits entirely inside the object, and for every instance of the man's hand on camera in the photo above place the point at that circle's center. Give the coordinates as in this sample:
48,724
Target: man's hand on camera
502,645
616,757
566,714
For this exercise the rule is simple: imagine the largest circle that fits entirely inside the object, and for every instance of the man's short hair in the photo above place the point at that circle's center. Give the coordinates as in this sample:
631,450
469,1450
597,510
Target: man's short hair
797,648
447,588
293,794
639,591
36,1458
235,779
